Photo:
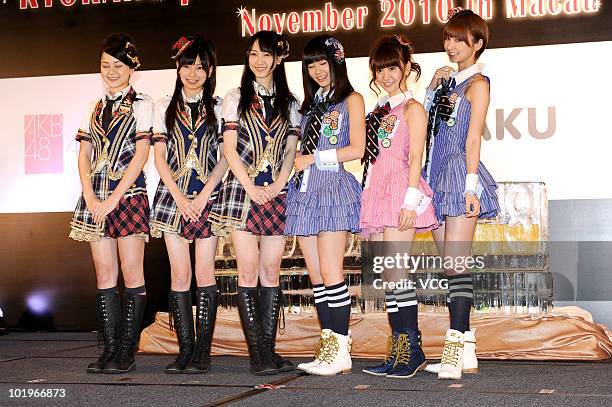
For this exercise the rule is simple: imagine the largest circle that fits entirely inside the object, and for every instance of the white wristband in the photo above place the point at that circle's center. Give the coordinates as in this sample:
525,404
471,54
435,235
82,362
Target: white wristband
328,157
471,182
412,198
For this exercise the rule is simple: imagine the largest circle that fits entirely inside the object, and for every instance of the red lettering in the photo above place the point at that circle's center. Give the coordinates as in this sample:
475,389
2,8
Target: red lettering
331,17
293,23
312,21
348,18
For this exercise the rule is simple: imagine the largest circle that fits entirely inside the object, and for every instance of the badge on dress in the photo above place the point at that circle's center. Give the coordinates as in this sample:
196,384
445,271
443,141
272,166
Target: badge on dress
386,130
454,101
331,126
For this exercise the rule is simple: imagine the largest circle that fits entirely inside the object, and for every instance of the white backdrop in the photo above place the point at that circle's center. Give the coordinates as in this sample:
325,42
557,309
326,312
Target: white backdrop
39,118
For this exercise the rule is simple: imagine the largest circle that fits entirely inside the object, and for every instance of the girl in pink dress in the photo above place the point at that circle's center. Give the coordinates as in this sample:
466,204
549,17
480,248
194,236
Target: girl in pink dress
396,201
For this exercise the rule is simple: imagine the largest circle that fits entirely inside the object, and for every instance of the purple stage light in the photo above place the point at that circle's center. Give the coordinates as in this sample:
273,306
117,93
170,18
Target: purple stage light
38,303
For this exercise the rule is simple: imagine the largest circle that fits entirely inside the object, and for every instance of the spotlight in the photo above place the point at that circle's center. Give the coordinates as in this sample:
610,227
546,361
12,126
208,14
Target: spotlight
3,328
37,316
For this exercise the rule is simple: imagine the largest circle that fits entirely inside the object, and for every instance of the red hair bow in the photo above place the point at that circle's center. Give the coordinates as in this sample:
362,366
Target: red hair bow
180,46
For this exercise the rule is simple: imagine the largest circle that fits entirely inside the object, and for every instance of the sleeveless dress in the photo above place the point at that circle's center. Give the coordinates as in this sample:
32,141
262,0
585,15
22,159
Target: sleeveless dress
325,200
387,180
447,166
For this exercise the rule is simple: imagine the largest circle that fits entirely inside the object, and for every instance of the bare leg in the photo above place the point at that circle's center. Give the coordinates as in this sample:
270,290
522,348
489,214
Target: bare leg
104,253
131,253
205,261
271,249
247,257
308,246
331,246
180,262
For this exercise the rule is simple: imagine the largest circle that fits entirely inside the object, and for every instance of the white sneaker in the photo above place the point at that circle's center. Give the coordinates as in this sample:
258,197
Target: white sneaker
470,362
452,356
307,365
335,356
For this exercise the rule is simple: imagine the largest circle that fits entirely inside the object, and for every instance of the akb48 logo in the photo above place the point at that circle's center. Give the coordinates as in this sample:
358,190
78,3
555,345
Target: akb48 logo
43,143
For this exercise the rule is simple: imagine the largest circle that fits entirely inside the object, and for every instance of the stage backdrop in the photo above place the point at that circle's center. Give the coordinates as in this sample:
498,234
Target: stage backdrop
548,121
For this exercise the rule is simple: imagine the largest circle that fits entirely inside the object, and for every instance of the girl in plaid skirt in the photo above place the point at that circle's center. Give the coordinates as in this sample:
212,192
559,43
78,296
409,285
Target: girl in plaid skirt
187,147
113,211
323,201
260,132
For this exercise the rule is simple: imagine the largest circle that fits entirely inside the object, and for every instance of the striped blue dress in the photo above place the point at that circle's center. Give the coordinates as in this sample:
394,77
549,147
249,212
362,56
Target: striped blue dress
448,167
330,201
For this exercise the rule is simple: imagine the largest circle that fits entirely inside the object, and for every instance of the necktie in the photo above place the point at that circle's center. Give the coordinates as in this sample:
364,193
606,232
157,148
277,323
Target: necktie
107,113
194,110
372,126
268,107
315,114
439,107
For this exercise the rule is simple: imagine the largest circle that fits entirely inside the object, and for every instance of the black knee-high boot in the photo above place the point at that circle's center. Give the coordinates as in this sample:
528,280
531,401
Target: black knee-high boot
107,311
133,311
260,362
180,308
206,316
270,299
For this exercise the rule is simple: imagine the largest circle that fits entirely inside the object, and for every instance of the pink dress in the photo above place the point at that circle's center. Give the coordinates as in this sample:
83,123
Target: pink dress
387,179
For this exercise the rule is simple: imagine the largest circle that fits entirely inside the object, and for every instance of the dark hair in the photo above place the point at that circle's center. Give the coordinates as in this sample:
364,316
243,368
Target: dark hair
121,47
388,51
467,22
278,46
196,46
318,49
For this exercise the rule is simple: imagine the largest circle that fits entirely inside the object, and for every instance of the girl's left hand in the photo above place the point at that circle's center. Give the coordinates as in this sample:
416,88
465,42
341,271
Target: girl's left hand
104,208
472,205
273,189
199,203
303,161
407,219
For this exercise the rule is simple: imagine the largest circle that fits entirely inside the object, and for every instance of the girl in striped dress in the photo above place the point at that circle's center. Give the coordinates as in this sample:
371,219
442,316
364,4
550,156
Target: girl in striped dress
464,191
187,146
323,201
396,201
260,134
112,214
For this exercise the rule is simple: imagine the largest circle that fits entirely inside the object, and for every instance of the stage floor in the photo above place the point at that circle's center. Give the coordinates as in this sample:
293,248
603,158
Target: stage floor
58,361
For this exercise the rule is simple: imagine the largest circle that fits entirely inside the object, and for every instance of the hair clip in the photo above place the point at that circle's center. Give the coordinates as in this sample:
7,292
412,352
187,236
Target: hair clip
283,46
458,11
134,59
180,46
401,41
338,49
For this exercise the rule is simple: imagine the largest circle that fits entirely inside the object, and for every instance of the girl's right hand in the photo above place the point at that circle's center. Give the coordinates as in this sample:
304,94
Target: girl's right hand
92,204
183,204
259,195
442,73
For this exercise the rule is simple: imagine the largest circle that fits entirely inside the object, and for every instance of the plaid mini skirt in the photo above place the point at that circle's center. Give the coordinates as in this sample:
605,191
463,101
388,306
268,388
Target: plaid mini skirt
267,219
197,230
130,217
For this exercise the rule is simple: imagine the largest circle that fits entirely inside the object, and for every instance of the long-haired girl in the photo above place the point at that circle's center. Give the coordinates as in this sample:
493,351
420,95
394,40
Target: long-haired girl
260,133
323,202
188,158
